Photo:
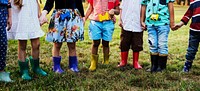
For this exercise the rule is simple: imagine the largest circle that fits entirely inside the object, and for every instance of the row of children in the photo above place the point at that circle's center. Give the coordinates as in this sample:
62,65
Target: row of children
67,23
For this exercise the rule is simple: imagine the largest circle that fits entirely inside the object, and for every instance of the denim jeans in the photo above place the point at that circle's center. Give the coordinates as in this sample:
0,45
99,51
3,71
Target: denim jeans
194,40
158,39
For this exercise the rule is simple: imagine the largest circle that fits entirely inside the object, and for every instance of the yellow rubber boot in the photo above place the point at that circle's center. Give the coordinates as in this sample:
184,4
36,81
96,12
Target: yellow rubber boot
105,59
94,60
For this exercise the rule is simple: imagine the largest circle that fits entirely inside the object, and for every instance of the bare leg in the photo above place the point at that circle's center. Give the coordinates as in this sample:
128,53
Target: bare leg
56,49
72,48
22,50
95,46
35,43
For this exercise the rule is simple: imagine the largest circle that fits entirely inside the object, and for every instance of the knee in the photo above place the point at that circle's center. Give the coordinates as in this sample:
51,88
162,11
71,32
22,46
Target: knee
96,43
105,43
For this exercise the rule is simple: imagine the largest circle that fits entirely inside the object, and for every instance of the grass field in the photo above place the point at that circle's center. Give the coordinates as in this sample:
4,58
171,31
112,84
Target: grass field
109,77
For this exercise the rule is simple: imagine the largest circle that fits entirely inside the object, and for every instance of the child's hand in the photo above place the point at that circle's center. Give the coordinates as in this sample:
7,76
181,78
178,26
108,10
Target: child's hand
84,21
9,23
43,19
111,12
178,25
143,25
120,23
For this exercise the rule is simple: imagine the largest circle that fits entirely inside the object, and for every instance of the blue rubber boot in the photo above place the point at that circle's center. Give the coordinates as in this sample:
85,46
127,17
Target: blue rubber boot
5,77
56,65
187,66
73,63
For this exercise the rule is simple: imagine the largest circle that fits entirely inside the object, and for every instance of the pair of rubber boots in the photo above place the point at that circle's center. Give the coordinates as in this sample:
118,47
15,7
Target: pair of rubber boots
124,58
94,61
73,64
24,68
158,63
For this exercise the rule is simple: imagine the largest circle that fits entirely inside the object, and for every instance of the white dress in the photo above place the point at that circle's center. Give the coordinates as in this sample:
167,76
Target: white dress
25,22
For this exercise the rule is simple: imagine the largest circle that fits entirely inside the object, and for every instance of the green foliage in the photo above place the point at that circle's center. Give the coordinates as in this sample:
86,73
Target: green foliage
109,77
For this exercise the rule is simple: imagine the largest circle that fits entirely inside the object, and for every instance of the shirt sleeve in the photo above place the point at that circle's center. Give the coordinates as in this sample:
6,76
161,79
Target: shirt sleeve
187,16
168,1
117,3
79,6
49,5
90,2
144,2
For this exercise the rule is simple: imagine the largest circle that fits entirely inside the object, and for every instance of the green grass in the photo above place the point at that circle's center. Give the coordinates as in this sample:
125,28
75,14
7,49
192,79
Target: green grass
109,77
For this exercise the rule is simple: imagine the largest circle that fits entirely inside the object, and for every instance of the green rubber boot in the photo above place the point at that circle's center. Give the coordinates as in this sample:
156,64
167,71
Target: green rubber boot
35,66
24,70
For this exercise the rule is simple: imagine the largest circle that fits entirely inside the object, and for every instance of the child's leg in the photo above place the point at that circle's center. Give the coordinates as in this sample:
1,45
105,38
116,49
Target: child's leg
107,32
163,32
57,58
153,44
4,76
34,59
192,49
73,62
23,62
95,46
22,50
106,50
56,49
94,56
137,46
35,43
124,46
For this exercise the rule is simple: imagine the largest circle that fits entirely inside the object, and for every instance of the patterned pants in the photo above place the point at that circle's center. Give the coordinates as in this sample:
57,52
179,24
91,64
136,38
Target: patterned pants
3,36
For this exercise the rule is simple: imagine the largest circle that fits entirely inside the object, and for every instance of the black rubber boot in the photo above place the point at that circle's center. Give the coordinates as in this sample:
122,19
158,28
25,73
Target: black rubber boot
162,62
154,63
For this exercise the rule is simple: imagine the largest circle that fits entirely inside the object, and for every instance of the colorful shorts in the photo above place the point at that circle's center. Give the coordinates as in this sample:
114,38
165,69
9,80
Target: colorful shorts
66,25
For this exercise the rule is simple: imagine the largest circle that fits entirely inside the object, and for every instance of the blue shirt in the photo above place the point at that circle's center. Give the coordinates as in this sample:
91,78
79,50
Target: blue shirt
159,7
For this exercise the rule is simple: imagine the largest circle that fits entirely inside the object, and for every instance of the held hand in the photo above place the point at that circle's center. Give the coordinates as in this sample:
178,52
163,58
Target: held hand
43,19
143,25
111,12
9,23
120,23
178,25
84,21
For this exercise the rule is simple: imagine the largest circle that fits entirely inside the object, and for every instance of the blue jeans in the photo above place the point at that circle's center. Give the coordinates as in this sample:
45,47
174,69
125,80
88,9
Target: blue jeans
194,40
158,39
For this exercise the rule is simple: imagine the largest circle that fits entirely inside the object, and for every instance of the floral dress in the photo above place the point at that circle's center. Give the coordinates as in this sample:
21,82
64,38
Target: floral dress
66,25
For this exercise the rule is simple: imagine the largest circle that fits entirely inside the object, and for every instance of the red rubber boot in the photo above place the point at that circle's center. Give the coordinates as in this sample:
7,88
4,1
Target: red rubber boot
135,60
124,57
